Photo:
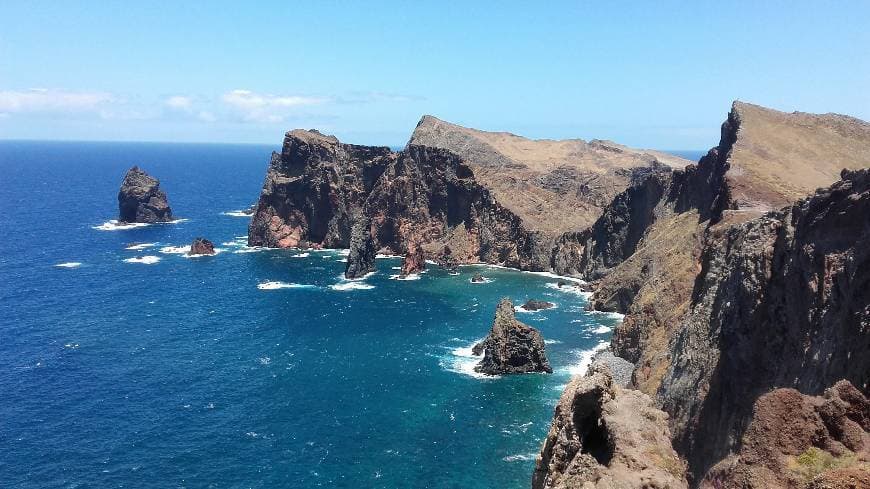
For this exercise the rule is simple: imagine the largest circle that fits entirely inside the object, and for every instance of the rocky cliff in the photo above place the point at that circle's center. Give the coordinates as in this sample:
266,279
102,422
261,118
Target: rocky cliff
476,202
607,437
141,200
781,301
726,299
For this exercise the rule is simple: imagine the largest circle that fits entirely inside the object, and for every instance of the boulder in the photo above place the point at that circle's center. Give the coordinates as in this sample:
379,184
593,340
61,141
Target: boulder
511,347
201,246
478,278
141,200
536,305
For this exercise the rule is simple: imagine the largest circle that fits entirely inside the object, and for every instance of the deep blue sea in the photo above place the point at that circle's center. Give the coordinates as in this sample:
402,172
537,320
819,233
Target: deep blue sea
253,368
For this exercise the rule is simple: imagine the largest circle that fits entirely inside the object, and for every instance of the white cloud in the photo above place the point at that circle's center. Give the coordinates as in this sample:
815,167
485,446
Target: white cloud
179,102
267,108
46,100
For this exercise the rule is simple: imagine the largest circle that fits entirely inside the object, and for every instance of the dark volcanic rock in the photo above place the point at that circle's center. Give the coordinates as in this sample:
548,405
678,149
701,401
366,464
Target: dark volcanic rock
536,305
606,437
141,200
202,246
478,278
511,347
415,260
780,301
361,259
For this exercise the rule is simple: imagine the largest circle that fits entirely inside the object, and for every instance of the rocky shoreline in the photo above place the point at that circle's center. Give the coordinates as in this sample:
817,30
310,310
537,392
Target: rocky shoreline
736,276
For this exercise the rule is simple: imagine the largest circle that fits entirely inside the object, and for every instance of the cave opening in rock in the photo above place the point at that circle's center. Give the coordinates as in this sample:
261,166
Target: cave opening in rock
591,428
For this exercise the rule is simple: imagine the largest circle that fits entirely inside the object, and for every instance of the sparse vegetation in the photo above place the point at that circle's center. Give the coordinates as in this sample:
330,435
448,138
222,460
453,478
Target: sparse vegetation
815,461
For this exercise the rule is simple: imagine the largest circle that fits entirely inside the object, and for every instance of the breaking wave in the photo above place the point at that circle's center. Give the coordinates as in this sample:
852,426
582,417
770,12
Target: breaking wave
145,260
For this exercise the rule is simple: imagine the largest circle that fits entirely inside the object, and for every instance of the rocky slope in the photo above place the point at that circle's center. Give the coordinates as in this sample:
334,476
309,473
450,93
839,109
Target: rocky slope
795,440
511,346
607,437
141,200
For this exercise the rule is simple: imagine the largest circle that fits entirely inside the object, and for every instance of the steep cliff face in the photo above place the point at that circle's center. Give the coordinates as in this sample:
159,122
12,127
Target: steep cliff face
607,437
316,187
781,301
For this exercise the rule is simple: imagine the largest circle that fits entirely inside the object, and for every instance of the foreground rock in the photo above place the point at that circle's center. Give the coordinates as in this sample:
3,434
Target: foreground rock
604,436
141,200
796,440
201,246
536,305
511,347
414,261
361,259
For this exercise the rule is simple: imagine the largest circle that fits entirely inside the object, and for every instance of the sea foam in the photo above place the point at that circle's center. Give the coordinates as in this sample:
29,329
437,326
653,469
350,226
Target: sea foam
345,286
69,264
140,246
145,260
275,285
585,359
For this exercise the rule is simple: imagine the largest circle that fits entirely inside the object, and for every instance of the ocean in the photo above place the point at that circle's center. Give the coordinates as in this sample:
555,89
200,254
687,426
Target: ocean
124,363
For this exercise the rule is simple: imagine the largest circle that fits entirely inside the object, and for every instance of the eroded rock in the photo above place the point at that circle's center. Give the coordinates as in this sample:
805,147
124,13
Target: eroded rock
361,259
201,246
141,200
511,347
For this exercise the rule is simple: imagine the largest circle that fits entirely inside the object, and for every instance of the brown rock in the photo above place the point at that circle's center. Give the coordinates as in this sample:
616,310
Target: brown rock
201,246
415,260
141,200
511,347
604,436
536,305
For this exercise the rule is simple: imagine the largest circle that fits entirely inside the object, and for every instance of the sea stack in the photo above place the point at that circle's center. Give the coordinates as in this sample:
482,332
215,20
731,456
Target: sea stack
536,305
141,200
361,259
414,261
511,347
201,246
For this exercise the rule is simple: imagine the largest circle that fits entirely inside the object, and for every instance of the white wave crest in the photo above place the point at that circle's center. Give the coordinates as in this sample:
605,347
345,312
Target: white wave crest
601,330
462,360
237,213
175,250
114,225
413,276
275,285
140,246
520,457
345,286
302,255
569,289
585,359
145,260
69,264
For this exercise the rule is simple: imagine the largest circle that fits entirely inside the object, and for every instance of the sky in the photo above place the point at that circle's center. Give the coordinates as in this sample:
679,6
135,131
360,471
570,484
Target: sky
648,74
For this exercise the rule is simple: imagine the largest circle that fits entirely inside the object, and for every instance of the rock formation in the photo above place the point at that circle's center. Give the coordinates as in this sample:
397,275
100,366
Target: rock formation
478,278
511,347
141,200
361,259
604,436
461,209
415,260
795,440
201,246
536,305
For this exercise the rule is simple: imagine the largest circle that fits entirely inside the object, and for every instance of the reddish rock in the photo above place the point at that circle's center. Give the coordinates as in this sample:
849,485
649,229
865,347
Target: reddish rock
415,260
201,246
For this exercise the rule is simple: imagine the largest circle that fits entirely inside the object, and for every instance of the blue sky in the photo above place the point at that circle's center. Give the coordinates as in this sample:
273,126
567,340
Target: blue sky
650,74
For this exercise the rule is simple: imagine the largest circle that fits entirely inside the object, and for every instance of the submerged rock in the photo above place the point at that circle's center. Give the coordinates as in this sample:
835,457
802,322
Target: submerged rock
477,278
361,259
201,246
511,347
141,200
536,305
414,261
604,436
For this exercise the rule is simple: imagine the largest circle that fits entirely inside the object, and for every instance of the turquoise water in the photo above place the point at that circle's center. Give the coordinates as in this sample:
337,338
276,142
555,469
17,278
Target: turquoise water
252,368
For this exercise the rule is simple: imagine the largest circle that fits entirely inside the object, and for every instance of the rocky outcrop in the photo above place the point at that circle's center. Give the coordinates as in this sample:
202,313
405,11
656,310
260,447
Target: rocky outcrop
511,347
780,301
141,200
458,208
201,246
536,305
800,441
415,260
361,259
604,436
